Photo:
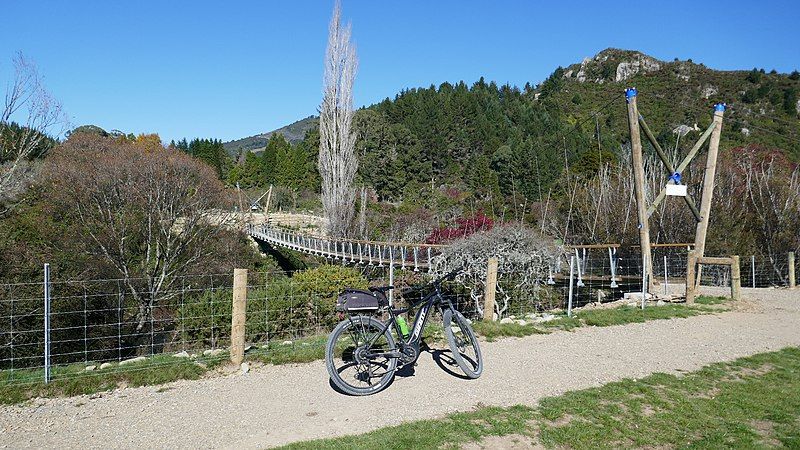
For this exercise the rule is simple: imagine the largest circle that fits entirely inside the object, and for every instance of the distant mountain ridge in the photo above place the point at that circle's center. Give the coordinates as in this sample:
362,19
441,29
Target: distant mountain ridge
294,133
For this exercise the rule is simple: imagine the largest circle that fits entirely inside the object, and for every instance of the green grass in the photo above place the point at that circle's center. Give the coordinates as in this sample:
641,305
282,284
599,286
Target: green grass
601,318
20,385
709,300
299,351
751,402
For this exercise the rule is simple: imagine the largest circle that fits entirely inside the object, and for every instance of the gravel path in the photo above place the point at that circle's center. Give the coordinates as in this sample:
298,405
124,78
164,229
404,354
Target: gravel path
274,405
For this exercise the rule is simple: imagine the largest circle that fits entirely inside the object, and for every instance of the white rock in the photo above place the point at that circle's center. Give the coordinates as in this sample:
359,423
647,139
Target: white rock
182,354
132,360
248,347
286,343
661,303
681,130
522,322
746,131
506,320
194,355
105,365
245,368
531,316
636,296
709,90
512,316
90,368
642,63
213,352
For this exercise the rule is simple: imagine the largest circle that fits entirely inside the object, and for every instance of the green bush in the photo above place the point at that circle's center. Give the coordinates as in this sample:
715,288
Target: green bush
285,308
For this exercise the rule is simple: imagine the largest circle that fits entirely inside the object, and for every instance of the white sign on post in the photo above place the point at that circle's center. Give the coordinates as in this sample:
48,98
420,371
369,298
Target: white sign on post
676,190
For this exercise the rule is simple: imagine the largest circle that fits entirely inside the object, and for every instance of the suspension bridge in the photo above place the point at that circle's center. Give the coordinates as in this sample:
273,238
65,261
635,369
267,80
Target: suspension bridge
420,257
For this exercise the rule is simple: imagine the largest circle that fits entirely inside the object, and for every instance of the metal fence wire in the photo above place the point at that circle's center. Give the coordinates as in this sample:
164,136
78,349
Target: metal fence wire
97,321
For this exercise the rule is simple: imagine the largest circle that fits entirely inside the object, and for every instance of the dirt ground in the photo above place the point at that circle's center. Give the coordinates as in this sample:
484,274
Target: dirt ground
274,405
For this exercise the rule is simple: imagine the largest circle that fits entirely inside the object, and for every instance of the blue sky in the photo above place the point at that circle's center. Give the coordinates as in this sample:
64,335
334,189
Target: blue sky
236,68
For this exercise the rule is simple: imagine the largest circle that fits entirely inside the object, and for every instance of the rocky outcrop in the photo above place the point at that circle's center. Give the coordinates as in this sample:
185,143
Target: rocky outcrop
641,64
709,90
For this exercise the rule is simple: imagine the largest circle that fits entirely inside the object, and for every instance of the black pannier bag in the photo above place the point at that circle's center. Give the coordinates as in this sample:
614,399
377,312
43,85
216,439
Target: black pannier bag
358,301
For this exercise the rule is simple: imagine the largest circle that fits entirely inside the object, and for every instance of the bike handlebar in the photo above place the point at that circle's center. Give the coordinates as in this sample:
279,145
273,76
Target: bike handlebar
435,282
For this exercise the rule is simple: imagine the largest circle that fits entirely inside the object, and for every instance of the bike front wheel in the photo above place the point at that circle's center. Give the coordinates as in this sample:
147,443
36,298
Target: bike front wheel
463,343
355,366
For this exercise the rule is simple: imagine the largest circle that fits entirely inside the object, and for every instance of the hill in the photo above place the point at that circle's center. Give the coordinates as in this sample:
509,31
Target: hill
763,107
293,133
500,142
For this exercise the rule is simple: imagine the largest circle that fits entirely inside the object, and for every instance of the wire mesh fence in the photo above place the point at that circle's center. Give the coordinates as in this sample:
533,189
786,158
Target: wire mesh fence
114,320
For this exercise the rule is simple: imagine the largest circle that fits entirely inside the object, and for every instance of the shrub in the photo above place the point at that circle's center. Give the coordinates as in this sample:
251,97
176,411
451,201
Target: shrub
285,308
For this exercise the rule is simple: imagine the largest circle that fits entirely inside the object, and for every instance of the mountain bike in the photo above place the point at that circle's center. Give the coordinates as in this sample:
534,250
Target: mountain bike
362,355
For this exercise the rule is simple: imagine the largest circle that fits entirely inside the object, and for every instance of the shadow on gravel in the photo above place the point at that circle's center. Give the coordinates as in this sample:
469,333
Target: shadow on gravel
446,362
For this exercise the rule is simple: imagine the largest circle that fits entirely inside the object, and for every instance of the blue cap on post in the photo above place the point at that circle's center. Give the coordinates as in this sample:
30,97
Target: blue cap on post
720,107
630,93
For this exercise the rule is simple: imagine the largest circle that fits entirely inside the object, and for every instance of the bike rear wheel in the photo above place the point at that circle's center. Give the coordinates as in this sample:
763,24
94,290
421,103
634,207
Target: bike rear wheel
351,364
463,343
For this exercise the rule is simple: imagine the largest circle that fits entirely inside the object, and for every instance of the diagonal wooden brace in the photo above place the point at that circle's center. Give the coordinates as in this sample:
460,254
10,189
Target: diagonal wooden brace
664,160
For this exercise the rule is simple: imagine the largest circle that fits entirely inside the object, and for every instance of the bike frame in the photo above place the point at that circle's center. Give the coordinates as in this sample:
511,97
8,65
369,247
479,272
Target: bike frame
420,320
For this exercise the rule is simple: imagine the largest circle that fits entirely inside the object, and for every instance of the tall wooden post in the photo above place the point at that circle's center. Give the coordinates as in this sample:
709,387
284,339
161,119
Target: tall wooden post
238,316
491,286
691,264
638,178
708,185
736,278
792,280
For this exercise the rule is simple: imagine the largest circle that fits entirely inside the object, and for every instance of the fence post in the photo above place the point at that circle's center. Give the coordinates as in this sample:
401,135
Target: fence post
736,278
46,323
644,279
571,274
391,283
238,316
792,281
691,263
491,287
753,265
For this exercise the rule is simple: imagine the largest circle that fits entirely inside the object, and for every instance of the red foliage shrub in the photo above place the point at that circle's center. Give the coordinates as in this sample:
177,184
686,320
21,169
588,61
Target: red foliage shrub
465,227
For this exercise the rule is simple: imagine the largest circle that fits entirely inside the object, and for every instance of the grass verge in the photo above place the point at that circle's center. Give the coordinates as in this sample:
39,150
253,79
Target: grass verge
20,385
601,318
751,402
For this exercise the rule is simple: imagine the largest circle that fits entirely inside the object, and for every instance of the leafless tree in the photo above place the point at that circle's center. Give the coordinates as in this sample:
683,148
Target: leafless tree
145,211
37,113
337,159
772,188
525,258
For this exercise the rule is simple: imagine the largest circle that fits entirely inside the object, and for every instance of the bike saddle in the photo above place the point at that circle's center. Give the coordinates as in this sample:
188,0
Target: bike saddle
381,289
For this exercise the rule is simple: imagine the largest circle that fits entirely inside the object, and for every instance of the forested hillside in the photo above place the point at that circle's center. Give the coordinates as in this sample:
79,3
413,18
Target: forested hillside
504,140
432,156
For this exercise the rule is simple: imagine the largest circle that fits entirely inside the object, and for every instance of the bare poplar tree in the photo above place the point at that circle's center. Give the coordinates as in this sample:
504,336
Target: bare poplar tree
337,158
36,112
